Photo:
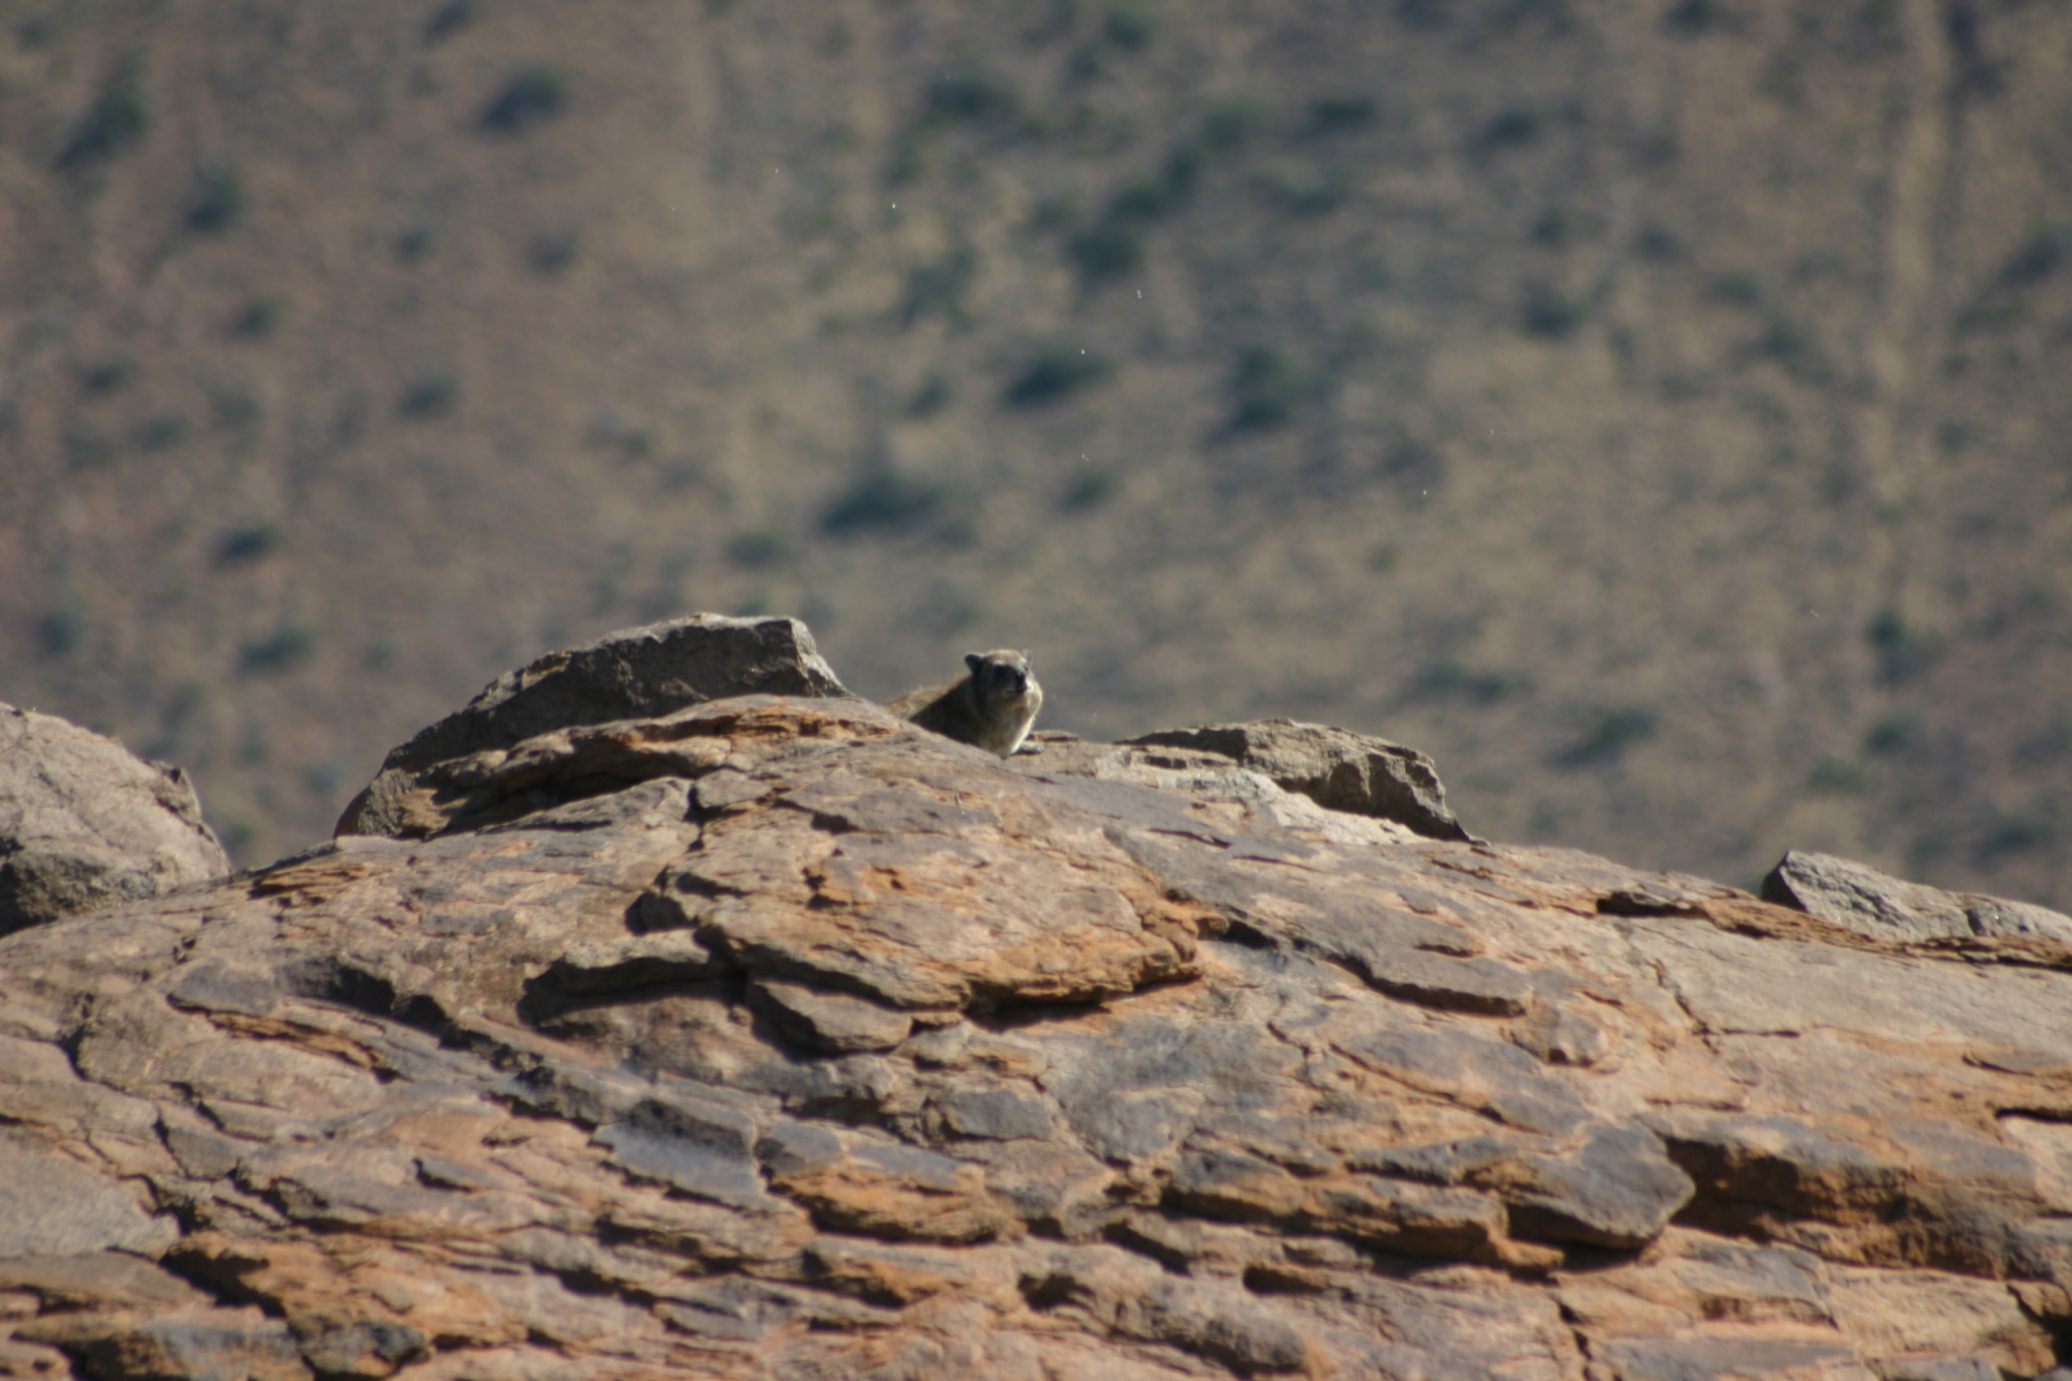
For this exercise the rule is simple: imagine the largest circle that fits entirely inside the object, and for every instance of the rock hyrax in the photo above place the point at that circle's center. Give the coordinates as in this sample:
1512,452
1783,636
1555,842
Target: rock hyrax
991,707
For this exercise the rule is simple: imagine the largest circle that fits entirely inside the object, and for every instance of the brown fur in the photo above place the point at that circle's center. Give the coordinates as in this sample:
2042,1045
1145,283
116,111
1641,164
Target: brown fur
991,706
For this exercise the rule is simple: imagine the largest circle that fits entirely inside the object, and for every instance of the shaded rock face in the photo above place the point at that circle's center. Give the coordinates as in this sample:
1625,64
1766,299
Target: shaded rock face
85,823
778,1038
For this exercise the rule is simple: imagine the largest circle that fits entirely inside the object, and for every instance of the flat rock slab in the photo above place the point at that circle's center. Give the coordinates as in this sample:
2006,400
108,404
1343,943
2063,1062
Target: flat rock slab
1860,898
1338,769
773,1037
634,673
85,823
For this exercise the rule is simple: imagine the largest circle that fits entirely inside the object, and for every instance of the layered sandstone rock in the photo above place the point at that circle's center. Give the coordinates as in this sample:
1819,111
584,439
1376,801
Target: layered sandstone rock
632,673
773,1037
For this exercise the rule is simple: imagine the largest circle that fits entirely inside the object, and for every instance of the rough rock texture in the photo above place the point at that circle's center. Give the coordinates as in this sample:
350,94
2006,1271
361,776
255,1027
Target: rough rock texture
1336,768
777,1038
85,823
632,673
1855,895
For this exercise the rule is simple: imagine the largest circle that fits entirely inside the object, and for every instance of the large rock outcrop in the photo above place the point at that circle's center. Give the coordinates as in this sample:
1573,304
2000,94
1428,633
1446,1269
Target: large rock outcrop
775,1037
85,823
635,672
1860,898
1338,769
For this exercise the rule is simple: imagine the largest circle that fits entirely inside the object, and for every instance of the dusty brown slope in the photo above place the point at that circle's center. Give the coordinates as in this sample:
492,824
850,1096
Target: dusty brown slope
1649,409
781,1039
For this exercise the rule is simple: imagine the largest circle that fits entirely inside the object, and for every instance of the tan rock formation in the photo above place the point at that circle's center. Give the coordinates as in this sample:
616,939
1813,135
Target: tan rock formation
85,823
634,672
777,1038
1861,898
1338,769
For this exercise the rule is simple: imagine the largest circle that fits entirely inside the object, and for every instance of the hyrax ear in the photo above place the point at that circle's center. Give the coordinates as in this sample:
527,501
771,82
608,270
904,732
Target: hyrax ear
974,660
1027,660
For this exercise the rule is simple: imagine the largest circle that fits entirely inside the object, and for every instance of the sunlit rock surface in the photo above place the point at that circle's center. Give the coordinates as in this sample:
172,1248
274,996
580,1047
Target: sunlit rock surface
774,1037
85,823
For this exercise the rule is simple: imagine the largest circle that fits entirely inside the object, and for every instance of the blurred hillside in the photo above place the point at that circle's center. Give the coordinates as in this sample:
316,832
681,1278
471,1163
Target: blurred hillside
1655,411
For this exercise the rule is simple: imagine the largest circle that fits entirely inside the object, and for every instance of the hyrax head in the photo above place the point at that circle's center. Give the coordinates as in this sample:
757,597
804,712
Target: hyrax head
1002,674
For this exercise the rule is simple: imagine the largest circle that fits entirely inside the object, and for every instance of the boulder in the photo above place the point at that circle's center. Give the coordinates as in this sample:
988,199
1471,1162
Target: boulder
1336,768
636,672
85,823
1860,898
772,1036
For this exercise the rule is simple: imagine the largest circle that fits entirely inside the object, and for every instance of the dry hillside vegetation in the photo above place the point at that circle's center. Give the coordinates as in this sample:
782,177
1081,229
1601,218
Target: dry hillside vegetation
1654,411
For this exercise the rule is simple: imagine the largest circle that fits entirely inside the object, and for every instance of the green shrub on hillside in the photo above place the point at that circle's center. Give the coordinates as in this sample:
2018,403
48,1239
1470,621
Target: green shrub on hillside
758,549
219,200
970,96
65,625
1090,489
430,396
1128,26
1266,390
115,122
290,645
1105,250
1317,193
453,15
109,375
1230,125
1833,776
609,430
1738,287
1413,464
1114,245
1056,374
551,253
883,501
158,432
258,318
1695,17
1800,356
1339,114
1607,741
1126,31
1552,314
1903,651
1552,227
931,398
244,545
2038,258
1509,129
528,100
2008,297
2039,827
87,449
1448,678
939,288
